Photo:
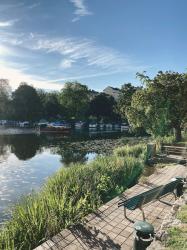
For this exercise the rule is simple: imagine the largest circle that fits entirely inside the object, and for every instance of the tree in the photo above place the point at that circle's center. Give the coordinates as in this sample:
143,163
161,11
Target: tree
125,97
5,94
102,106
162,104
74,97
26,103
51,108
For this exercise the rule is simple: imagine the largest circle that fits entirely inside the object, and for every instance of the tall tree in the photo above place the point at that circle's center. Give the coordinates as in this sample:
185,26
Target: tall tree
51,107
74,97
102,106
162,104
26,103
125,97
5,94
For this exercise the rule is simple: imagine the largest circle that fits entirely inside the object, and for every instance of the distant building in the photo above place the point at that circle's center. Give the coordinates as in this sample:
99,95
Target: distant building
112,92
93,94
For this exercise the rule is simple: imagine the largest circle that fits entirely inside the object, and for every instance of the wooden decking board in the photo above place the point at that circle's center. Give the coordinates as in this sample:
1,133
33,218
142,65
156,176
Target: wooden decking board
107,228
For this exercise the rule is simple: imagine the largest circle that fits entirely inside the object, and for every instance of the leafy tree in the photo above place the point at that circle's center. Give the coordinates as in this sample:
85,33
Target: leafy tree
51,107
74,98
5,94
125,97
26,103
102,106
162,104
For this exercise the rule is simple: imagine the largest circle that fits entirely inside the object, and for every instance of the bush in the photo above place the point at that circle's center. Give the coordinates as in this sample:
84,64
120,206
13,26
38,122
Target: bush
68,196
163,140
136,151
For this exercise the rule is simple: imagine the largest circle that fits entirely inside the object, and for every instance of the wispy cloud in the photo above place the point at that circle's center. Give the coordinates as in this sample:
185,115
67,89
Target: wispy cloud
66,63
81,9
34,5
16,76
7,23
85,51
75,58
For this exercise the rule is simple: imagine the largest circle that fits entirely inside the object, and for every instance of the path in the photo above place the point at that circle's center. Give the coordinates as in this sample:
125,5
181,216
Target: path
107,228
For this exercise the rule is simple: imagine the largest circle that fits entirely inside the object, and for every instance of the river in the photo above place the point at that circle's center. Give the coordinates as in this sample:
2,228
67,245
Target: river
27,160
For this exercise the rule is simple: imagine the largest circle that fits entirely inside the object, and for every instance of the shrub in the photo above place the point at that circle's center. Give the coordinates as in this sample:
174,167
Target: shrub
135,150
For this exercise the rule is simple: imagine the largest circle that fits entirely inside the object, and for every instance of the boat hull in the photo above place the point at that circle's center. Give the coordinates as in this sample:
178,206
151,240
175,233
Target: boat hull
54,130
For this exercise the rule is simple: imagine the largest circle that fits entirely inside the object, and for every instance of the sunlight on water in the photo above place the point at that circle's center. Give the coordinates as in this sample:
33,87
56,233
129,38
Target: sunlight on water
26,161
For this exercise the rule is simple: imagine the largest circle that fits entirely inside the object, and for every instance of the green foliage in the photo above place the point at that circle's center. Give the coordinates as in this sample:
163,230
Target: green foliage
102,106
136,151
178,235
125,97
74,98
26,103
67,197
161,104
177,238
182,215
160,140
51,108
5,92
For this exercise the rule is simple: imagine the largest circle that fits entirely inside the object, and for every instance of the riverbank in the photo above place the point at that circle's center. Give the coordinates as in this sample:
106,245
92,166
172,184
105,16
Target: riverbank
107,228
16,131
69,195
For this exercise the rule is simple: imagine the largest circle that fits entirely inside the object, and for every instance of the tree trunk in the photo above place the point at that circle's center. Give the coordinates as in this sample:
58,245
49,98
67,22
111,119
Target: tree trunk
178,134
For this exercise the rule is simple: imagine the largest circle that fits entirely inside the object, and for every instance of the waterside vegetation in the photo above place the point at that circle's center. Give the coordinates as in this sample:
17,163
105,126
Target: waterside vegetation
69,195
177,235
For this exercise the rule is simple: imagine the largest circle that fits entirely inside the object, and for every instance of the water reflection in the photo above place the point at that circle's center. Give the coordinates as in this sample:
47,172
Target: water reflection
27,160
25,147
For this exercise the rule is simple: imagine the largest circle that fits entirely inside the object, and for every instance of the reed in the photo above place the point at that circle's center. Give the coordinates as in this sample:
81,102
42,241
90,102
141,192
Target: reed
68,196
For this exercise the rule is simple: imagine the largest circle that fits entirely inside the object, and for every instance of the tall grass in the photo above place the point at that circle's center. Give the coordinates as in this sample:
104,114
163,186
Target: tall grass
163,140
137,151
68,196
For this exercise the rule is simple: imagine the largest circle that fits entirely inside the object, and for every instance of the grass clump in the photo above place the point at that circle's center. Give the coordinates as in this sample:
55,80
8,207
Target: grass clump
67,197
178,235
177,238
136,151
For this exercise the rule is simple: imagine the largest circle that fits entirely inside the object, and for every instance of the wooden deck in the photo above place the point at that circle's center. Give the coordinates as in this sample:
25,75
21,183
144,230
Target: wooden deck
107,228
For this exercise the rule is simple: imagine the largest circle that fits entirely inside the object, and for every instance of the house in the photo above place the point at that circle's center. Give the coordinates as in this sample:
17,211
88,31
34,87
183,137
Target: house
112,92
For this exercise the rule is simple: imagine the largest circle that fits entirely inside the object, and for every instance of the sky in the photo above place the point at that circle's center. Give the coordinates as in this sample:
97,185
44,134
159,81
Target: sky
99,43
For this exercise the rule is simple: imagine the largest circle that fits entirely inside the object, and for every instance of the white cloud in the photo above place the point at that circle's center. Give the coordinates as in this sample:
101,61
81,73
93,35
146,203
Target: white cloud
85,51
66,63
8,23
34,5
81,9
84,57
4,50
16,76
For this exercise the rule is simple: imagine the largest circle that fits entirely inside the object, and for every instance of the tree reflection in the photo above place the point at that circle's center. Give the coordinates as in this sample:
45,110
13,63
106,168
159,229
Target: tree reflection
71,155
4,148
25,147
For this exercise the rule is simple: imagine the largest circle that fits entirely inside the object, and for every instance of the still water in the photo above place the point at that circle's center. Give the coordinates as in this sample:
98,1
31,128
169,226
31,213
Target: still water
27,160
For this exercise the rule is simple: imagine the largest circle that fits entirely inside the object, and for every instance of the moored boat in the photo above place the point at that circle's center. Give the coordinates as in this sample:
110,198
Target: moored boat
124,127
101,125
109,126
79,125
93,125
54,128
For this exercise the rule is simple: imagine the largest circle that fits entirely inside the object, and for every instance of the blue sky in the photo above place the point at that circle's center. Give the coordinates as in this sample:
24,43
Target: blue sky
96,42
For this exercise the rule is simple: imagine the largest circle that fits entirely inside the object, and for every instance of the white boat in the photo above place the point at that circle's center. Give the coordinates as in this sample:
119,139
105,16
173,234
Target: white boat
101,125
93,125
79,125
109,126
124,127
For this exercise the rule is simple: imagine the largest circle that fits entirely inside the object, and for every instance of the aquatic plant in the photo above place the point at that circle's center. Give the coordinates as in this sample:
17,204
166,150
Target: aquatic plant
68,196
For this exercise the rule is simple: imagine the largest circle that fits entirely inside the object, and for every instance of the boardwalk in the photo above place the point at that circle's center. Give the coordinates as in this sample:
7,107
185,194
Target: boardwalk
107,228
